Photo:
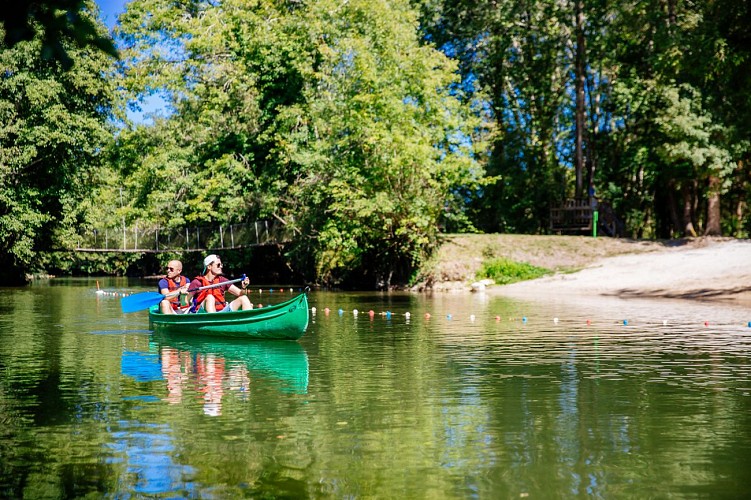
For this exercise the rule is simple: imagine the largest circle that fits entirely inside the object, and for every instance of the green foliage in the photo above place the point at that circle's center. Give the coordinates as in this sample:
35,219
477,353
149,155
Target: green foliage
331,117
393,142
344,121
60,23
515,56
667,88
505,271
54,127
79,263
690,144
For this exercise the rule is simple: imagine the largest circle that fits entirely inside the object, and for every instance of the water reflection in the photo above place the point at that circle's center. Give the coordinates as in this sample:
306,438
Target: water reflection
146,453
211,366
141,366
481,405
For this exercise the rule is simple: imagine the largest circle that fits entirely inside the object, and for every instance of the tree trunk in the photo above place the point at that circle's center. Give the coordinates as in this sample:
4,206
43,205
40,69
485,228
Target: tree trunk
673,210
688,225
579,88
592,137
713,208
740,209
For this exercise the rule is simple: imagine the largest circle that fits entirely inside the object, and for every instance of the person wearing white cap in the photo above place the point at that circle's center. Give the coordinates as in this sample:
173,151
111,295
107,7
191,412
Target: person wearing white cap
212,299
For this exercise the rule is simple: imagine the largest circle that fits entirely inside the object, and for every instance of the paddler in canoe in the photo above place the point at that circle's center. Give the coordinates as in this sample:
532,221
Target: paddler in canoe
173,282
212,300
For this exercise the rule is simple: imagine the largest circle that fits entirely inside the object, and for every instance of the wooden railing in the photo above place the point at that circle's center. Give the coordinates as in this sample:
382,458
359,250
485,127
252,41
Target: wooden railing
573,216
155,239
580,216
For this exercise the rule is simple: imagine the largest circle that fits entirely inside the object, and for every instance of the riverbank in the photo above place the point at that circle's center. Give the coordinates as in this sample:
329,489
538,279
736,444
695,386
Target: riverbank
713,269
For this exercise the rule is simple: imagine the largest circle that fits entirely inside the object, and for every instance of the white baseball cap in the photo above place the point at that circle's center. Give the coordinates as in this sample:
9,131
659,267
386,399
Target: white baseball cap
209,259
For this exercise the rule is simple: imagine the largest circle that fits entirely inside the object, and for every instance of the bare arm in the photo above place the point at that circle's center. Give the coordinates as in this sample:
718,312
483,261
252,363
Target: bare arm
236,291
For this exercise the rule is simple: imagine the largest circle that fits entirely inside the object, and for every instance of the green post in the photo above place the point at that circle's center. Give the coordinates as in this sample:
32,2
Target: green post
594,224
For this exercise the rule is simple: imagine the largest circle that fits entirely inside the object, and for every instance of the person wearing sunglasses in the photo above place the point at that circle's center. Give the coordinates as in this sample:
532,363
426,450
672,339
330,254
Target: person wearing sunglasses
212,299
173,282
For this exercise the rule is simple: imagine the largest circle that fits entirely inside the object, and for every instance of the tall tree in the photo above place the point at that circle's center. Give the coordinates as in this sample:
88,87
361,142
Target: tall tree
615,107
53,125
669,118
516,54
331,117
579,79
720,65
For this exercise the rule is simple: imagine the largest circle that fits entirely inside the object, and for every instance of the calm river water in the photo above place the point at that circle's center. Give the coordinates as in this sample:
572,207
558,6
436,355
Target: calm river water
488,398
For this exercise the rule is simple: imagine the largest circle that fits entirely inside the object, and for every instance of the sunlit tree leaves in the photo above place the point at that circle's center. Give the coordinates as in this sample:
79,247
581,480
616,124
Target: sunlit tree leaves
331,117
54,127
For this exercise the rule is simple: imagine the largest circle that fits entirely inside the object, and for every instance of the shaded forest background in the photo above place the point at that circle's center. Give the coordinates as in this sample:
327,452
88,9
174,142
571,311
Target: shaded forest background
370,127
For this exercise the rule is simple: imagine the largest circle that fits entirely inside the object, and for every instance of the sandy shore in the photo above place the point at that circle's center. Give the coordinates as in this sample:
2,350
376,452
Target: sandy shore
712,270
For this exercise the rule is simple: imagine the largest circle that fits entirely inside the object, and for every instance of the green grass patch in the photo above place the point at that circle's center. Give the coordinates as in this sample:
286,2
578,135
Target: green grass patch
505,271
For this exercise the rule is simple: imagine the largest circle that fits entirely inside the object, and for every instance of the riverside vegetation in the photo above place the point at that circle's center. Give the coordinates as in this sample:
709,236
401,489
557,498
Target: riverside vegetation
370,129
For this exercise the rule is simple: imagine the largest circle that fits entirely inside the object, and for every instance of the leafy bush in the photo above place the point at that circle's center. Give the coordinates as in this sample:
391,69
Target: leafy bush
505,271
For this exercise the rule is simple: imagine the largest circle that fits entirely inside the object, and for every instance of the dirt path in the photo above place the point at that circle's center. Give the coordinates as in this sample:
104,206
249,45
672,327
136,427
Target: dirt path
707,269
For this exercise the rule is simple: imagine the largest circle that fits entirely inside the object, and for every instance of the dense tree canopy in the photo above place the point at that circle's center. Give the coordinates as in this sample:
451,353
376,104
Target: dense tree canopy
666,92
367,127
331,117
54,125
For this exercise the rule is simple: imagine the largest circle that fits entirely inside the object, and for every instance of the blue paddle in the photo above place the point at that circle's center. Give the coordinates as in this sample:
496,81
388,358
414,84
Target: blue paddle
144,300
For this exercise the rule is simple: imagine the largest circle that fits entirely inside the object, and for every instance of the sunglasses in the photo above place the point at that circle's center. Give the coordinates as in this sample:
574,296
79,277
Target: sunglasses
218,264
171,269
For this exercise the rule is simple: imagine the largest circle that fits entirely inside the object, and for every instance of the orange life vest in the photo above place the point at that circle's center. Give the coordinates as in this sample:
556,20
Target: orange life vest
217,292
173,286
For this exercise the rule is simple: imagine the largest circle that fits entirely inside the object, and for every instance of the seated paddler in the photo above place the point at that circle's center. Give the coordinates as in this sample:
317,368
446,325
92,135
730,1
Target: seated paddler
213,299
175,286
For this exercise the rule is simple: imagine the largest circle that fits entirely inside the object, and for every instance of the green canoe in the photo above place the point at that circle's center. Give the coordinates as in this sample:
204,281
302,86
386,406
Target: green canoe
285,321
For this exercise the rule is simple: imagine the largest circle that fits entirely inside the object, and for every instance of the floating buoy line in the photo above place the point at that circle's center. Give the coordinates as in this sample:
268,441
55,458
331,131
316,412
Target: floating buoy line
524,320
407,315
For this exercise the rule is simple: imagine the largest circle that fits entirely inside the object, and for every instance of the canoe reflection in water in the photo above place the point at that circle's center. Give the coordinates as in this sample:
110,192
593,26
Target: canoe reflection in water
218,365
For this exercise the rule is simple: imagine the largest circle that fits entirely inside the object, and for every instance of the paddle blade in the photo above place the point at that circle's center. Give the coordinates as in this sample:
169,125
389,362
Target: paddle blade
140,301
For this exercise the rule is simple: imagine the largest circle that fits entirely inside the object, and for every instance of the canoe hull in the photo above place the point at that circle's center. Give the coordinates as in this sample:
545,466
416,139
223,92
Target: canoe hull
285,321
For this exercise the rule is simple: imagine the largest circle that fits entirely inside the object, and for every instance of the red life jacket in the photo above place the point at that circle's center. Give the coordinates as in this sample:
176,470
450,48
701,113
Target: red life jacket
173,286
217,292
